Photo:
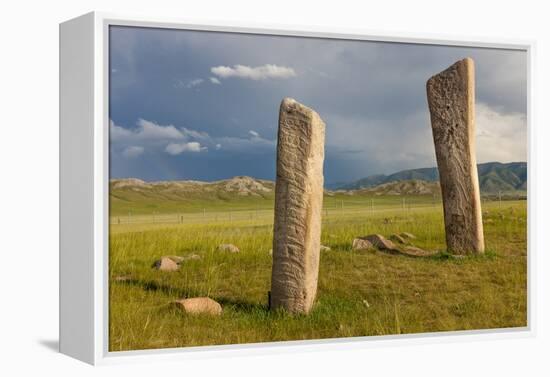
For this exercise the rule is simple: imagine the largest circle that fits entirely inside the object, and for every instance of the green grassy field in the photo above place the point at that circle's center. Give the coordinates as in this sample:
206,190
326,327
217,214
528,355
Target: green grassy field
360,293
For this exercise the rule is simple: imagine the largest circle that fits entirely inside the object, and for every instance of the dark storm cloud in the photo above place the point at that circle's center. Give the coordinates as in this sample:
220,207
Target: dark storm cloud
227,88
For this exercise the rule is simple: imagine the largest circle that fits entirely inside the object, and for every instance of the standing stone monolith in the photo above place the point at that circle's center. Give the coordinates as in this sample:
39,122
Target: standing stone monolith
298,207
451,99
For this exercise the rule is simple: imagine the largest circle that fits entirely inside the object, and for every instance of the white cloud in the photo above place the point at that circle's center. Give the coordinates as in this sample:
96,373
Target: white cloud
500,137
178,148
146,130
214,80
255,143
133,151
172,140
195,134
267,71
188,84
151,130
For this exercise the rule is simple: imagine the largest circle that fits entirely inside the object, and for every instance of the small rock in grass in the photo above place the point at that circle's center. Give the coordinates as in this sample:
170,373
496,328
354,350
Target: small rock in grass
325,248
228,247
380,242
413,251
191,257
397,238
165,264
270,251
407,236
199,305
361,244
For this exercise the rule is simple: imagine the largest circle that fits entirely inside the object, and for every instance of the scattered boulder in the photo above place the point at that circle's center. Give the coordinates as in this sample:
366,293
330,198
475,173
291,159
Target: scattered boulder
165,264
228,247
270,251
397,238
380,242
199,305
325,248
361,244
413,251
407,236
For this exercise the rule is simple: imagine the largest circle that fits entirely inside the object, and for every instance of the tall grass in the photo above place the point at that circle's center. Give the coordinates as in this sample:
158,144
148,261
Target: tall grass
360,293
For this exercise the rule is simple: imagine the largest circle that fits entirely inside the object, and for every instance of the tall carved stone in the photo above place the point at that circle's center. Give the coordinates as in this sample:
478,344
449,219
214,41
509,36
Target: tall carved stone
451,99
298,206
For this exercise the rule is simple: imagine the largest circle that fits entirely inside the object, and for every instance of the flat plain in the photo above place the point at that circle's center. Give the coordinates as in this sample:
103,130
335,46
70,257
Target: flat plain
360,293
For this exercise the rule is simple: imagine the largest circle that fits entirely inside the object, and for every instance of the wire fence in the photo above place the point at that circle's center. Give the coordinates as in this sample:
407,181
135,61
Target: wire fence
332,209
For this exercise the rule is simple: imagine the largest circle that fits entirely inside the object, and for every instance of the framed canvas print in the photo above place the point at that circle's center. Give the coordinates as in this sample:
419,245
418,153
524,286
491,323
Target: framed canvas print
236,189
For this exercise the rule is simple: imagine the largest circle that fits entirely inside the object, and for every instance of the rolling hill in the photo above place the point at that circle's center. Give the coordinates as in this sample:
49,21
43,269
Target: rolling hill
493,177
138,196
132,194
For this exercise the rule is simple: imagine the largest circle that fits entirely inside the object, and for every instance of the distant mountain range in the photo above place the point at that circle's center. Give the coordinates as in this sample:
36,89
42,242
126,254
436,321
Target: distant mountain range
129,194
493,177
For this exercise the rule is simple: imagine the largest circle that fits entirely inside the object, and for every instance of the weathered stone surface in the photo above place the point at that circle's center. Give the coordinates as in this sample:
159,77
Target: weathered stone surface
175,258
451,100
165,264
298,206
361,244
397,238
407,236
199,305
380,242
413,251
228,247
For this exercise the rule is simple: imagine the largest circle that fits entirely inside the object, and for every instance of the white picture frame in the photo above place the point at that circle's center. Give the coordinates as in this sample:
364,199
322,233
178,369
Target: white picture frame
84,178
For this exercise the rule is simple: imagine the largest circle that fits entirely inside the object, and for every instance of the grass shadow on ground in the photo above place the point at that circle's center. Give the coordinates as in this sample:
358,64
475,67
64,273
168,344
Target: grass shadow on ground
242,305
236,304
